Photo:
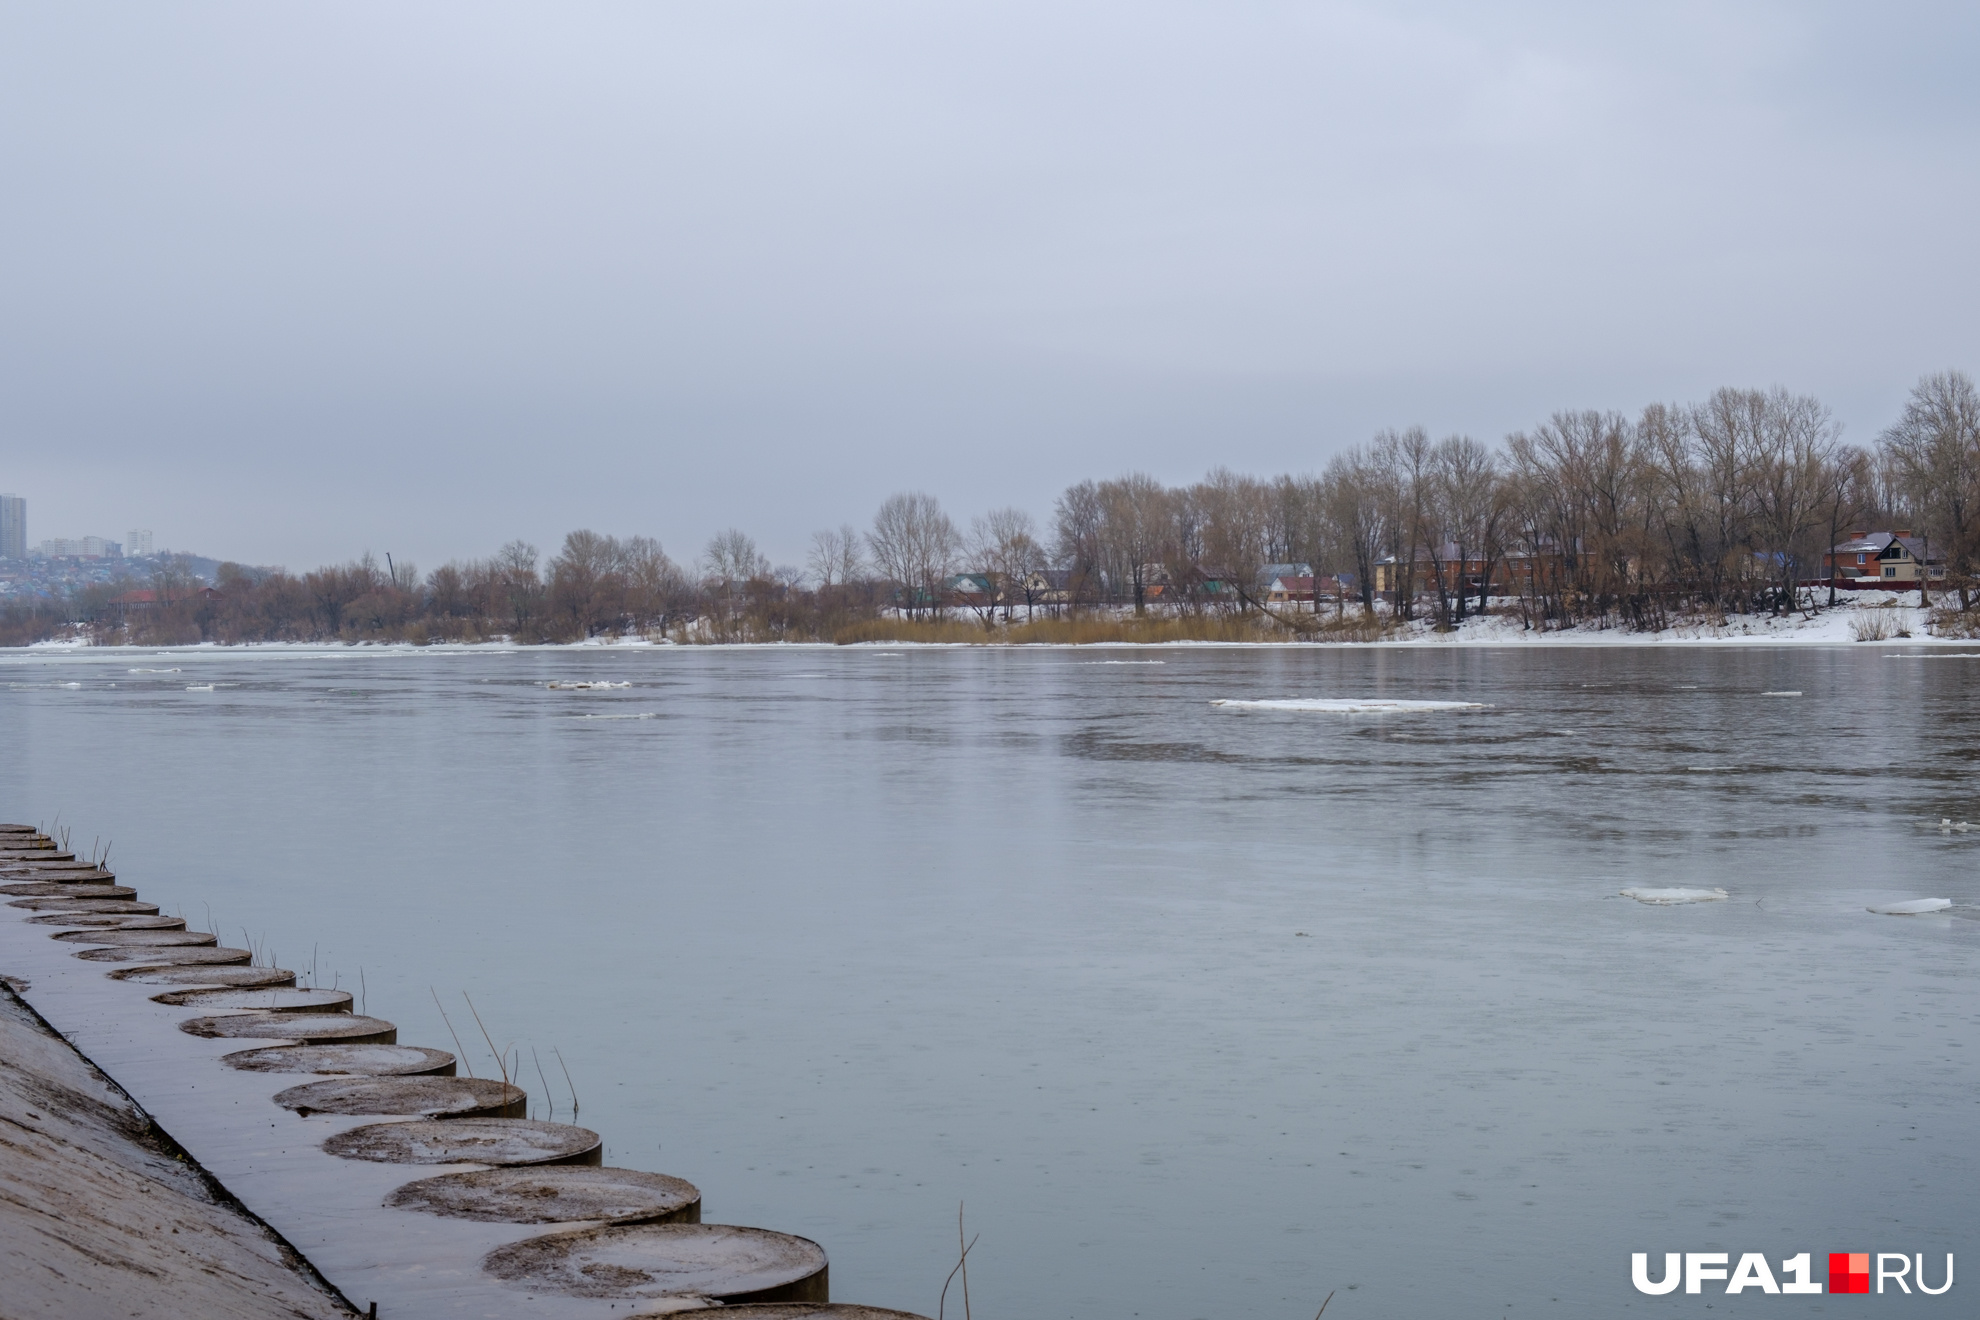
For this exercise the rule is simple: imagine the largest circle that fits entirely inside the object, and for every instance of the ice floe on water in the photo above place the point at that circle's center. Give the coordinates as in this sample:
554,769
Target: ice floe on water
1120,662
199,687
599,685
1916,907
1947,825
1350,705
1795,693
153,671
1665,897
637,715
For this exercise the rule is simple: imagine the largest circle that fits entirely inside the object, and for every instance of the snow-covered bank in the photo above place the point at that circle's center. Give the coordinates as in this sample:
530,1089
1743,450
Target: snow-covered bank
1845,624
1877,619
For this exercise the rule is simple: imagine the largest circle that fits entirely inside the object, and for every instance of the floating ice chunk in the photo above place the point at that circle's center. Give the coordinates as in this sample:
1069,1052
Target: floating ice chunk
1795,693
1350,705
1120,662
1914,908
1668,896
153,671
69,685
600,686
1947,826
199,687
641,715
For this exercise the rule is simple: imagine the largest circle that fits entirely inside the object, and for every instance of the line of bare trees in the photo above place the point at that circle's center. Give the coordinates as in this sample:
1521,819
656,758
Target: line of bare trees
1721,506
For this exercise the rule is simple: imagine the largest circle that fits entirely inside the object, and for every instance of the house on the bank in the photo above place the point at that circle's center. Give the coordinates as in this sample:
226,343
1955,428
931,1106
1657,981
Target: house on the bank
1290,590
1898,558
976,590
1050,586
1469,570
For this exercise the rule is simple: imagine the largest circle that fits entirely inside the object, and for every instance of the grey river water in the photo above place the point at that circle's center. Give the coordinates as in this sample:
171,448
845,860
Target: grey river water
1203,1012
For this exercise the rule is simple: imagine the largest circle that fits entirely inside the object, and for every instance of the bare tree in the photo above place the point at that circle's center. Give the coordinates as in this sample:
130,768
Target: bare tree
1849,492
1234,511
1934,453
586,587
1134,519
916,545
1793,468
656,589
1004,543
1467,479
837,558
1355,508
522,589
729,564
1076,540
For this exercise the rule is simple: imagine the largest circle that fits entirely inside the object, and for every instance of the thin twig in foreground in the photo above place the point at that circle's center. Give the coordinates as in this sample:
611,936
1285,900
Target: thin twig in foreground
500,1062
450,1030
567,1078
943,1301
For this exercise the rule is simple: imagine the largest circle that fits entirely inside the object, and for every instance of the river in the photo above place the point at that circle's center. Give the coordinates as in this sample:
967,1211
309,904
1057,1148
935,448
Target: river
1200,1011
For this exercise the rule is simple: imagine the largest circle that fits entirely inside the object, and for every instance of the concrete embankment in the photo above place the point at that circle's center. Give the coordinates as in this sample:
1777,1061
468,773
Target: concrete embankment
101,1214
316,1165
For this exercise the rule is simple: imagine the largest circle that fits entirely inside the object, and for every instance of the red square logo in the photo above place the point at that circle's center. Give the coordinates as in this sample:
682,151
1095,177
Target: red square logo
1849,1271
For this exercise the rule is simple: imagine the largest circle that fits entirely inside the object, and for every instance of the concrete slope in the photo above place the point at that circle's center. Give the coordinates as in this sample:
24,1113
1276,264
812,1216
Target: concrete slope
102,1215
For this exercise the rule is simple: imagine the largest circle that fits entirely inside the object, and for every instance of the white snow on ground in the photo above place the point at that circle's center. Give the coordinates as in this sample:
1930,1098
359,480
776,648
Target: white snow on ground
1915,907
1664,897
1896,611
1351,705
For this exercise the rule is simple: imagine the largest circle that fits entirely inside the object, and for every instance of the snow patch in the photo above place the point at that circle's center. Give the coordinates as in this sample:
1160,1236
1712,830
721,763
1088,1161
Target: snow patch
1665,897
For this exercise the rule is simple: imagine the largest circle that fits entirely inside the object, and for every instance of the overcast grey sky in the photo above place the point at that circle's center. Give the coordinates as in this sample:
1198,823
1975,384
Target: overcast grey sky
289,281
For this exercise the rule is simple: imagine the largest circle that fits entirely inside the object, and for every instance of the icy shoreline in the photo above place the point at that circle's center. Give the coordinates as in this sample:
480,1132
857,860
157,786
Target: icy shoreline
1830,626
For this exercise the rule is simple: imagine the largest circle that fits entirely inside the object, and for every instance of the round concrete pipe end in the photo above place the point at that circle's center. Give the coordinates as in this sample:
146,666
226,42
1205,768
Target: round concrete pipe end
649,1262
424,1097
286,999
160,957
554,1194
345,1060
299,1028
497,1141
216,978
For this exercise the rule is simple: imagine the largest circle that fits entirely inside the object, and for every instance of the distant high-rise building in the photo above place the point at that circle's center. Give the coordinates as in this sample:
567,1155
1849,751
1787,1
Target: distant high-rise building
137,543
13,527
79,547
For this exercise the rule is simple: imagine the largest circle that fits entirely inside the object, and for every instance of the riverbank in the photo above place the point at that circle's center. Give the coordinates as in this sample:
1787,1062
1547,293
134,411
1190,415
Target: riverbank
316,1166
1862,618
